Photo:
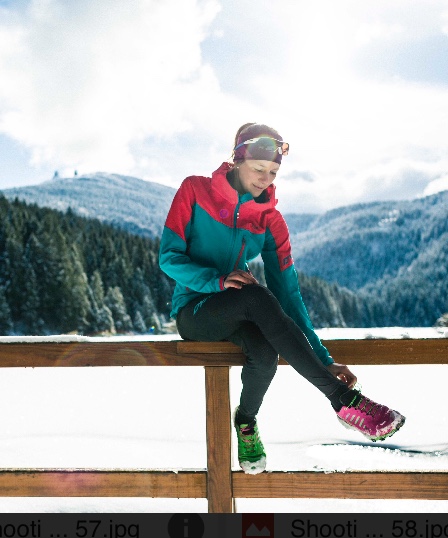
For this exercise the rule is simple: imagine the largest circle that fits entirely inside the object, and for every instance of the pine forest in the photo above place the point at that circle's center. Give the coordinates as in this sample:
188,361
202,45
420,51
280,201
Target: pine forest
63,273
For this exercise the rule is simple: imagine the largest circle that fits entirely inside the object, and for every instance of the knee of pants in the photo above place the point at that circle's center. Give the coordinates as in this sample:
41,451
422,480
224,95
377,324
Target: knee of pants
258,297
263,361
258,377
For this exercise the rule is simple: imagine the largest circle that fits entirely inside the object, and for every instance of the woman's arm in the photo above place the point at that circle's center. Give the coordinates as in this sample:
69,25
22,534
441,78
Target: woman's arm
173,256
282,280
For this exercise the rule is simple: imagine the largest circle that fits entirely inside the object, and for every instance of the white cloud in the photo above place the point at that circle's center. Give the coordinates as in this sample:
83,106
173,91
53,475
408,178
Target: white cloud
444,20
437,185
358,131
368,32
157,88
401,178
86,79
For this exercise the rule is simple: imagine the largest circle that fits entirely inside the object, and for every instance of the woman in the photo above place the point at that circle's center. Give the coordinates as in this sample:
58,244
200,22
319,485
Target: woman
214,228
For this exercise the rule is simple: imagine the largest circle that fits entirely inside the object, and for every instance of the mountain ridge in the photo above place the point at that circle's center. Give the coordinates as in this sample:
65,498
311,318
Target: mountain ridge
128,202
395,252
369,240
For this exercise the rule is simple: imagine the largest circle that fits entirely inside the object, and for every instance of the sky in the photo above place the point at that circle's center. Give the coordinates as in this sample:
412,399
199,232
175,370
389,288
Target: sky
156,89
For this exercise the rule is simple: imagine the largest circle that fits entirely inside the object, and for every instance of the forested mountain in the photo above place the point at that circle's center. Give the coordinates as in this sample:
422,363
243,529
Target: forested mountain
127,202
396,252
62,273
361,244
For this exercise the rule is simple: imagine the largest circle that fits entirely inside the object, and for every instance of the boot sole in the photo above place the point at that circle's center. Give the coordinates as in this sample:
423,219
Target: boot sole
254,467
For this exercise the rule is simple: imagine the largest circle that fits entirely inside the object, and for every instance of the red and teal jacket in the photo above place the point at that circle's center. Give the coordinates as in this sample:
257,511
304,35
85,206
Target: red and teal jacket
211,230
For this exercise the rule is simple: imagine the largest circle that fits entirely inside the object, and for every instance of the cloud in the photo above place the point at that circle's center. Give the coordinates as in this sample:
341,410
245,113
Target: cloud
437,185
415,48
398,180
369,32
85,80
424,60
300,175
401,178
157,89
371,133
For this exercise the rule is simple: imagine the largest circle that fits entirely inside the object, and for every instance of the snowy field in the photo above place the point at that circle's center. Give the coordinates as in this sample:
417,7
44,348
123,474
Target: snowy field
139,417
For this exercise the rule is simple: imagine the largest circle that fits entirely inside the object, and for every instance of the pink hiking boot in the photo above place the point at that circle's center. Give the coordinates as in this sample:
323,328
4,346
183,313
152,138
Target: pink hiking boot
375,421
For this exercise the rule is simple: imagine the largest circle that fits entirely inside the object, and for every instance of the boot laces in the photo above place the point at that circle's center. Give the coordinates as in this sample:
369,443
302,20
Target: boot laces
368,406
365,405
249,436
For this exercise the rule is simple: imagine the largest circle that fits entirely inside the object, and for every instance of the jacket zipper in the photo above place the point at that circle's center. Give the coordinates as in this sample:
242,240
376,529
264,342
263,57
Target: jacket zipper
234,234
240,254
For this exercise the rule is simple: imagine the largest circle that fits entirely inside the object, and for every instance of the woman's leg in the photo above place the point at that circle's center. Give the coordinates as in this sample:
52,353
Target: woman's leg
222,315
258,370
261,359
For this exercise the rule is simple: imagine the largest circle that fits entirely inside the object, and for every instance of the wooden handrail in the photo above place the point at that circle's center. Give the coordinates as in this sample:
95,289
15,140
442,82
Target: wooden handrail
135,352
219,484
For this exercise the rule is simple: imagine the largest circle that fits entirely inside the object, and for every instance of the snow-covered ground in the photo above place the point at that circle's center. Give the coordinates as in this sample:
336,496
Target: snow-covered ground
141,417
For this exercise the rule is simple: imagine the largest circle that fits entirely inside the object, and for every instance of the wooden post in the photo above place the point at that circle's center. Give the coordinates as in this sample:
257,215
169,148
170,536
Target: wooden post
219,475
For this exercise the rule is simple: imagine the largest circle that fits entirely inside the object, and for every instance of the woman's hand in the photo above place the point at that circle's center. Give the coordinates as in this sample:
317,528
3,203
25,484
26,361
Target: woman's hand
238,279
343,373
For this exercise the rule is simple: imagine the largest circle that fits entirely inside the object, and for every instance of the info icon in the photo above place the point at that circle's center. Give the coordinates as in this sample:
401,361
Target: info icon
186,526
258,525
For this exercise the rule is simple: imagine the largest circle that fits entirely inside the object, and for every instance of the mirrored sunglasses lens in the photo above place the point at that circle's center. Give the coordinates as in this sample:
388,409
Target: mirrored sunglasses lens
268,144
265,144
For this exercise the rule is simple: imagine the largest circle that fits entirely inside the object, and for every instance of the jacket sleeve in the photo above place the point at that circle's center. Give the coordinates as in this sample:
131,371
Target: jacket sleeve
173,253
282,280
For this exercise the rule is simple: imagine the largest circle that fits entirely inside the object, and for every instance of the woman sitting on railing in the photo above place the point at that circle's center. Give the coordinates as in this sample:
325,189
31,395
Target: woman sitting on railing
214,228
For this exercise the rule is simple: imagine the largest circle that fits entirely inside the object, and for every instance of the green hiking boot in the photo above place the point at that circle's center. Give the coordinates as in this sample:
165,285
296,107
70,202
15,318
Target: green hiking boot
251,455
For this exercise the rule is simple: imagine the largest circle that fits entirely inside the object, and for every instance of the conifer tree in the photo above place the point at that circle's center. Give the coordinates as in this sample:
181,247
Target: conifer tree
75,304
139,324
13,274
32,322
149,314
101,319
114,300
6,325
442,321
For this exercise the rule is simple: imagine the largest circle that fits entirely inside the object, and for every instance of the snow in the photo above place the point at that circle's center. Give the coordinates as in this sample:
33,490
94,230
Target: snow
325,334
383,333
151,418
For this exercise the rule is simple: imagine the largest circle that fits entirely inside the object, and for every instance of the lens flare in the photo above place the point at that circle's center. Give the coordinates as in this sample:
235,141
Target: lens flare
104,353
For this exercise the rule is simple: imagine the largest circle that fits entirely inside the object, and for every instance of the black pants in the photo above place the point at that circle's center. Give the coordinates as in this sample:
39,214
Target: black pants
253,319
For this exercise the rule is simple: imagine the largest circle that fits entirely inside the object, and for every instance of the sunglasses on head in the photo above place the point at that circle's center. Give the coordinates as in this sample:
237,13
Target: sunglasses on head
265,143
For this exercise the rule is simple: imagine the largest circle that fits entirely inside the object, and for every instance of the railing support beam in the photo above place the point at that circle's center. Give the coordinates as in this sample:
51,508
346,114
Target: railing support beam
219,475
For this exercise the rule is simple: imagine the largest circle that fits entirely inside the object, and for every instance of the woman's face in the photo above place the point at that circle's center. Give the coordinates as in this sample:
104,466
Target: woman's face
254,176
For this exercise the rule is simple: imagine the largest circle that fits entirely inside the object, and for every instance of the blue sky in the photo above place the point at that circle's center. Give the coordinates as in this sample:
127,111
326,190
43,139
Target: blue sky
157,89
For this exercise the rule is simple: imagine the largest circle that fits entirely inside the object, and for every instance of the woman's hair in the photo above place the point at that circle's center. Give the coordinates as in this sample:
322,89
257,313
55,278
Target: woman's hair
248,131
240,130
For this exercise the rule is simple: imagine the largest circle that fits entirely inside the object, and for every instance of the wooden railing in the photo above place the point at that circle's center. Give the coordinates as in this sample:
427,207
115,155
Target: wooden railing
219,484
